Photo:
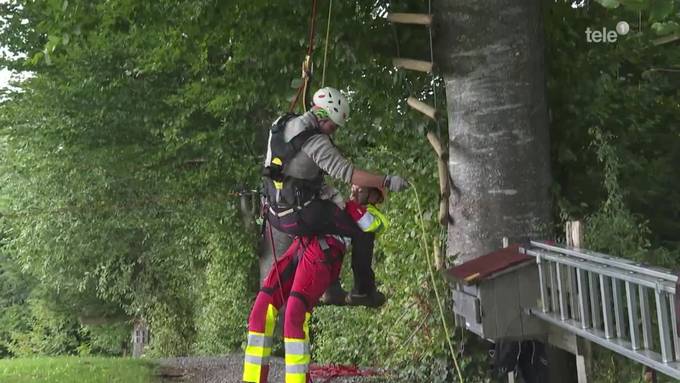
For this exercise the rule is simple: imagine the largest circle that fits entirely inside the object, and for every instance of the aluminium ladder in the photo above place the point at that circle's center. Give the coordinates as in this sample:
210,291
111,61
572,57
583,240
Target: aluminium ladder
606,300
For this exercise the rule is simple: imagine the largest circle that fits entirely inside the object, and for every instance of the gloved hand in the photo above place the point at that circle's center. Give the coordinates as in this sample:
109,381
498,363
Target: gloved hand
396,183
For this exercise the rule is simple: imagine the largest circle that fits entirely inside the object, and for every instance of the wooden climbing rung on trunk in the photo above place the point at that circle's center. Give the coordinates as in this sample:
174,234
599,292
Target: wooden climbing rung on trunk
422,107
666,39
417,65
410,18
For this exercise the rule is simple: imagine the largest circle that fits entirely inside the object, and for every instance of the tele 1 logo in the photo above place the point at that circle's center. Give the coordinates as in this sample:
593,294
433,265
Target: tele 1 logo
607,36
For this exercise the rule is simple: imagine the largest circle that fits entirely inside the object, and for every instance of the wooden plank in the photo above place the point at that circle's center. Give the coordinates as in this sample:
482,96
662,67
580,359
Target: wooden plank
574,234
443,171
422,107
584,360
436,144
417,65
410,18
443,216
443,178
666,39
442,168
438,259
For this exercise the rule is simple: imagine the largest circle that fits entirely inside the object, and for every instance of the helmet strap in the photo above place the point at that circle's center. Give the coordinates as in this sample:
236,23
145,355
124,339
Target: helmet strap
320,113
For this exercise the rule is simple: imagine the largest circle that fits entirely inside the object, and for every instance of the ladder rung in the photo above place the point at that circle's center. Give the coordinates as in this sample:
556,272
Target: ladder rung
417,65
595,296
584,307
542,267
633,315
410,18
647,339
561,290
573,293
620,346
553,286
422,107
619,315
665,333
674,326
607,308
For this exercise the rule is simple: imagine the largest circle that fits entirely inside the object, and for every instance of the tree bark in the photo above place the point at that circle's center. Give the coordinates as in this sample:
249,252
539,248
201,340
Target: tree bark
491,55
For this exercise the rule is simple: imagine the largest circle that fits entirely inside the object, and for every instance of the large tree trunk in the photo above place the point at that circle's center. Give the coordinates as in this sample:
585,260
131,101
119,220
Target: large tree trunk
491,54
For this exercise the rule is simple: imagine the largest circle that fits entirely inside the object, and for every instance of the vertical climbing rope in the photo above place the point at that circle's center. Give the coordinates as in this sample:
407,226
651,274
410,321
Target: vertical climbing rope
434,285
306,64
325,49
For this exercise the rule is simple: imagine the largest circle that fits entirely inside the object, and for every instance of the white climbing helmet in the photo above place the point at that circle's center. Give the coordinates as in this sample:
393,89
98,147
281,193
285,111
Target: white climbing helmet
333,102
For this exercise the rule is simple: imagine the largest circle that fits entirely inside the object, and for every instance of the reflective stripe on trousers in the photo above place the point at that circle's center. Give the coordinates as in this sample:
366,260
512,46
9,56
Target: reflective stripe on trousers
298,356
259,349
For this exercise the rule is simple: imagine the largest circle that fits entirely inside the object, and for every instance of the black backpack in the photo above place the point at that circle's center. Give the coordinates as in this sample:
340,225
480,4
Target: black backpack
284,191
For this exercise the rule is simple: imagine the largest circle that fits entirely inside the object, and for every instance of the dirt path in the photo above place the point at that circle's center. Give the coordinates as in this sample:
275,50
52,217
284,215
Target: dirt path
228,369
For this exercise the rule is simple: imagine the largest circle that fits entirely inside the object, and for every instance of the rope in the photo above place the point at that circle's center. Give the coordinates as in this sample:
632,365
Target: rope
434,285
276,262
306,64
325,49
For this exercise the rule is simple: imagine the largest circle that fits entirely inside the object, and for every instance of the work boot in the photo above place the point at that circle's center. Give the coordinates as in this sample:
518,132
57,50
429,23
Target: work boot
334,295
373,299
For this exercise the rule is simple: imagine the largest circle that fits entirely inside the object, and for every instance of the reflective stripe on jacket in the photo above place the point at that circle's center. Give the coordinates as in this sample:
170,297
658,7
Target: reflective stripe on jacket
368,218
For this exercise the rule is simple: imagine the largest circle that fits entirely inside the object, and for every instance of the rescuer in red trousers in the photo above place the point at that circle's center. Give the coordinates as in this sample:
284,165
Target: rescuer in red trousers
299,278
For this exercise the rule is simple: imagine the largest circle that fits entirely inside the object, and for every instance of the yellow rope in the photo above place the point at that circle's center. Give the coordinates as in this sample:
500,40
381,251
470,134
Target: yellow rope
325,49
434,285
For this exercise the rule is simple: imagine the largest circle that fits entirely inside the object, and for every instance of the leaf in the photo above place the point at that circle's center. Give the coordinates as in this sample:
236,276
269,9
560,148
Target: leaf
636,5
660,9
35,59
296,83
609,3
663,29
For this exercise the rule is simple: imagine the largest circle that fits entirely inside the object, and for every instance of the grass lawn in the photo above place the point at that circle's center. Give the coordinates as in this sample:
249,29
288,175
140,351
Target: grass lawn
75,370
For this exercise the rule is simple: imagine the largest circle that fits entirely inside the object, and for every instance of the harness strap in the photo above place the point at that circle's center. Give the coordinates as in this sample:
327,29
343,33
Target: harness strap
301,298
292,210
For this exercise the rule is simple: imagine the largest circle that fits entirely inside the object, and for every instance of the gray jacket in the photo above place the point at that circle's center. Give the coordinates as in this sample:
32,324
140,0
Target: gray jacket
317,153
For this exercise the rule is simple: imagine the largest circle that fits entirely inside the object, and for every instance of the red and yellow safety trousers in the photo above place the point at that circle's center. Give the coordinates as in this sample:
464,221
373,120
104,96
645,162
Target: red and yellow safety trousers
305,270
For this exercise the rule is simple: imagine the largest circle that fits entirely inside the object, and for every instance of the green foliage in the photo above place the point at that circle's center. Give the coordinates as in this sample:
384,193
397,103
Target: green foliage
613,107
121,156
225,301
75,370
615,137
50,333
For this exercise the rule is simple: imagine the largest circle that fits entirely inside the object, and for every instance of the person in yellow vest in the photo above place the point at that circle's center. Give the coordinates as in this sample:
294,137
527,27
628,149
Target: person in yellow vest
299,278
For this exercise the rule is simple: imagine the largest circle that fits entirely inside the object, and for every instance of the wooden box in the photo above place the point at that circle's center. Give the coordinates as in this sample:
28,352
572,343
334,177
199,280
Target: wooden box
491,295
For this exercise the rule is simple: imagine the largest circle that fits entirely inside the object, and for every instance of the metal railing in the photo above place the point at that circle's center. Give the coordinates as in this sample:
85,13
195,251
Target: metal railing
617,303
